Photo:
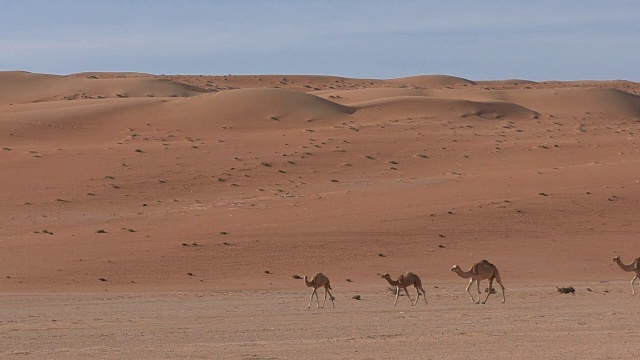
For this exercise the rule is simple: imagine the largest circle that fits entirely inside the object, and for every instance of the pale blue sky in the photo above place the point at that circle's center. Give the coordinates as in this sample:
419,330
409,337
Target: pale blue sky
537,40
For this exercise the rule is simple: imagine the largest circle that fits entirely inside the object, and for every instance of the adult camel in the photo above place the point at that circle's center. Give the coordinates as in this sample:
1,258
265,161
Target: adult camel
405,280
633,267
317,281
482,270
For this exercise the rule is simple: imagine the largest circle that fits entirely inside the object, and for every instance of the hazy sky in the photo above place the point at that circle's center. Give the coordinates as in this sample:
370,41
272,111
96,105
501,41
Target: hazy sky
537,40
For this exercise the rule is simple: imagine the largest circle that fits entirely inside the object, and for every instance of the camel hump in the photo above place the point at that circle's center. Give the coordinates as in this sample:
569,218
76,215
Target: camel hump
485,262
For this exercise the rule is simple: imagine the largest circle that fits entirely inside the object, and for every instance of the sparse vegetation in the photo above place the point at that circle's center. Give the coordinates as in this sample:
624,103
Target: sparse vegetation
566,290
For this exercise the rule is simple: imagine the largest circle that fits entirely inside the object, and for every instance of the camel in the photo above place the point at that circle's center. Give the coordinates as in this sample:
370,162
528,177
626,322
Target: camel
405,280
482,270
634,266
317,281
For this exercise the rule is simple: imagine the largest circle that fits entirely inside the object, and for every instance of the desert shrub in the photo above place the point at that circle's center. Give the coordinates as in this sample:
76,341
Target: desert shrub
566,290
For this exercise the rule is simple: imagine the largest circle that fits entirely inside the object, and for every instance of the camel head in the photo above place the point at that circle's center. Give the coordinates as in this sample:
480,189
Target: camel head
455,268
385,276
616,258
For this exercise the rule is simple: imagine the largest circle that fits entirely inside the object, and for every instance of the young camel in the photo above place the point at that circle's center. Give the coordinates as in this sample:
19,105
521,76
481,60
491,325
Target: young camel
634,266
317,281
482,270
405,280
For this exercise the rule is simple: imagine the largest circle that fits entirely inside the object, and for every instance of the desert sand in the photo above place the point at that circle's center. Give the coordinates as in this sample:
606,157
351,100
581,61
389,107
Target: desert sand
165,216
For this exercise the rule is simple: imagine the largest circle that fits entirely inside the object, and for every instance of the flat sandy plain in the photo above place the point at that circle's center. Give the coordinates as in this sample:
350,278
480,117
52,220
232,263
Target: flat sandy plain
149,217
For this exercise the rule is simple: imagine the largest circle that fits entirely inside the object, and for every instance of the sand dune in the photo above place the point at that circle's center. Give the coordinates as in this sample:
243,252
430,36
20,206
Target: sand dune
258,175
18,87
431,81
259,108
560,100
413,106
72,123
375,93
584,100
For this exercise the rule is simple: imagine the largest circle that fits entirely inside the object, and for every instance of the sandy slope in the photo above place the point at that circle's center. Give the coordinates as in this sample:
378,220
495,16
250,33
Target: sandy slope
131,182
299,181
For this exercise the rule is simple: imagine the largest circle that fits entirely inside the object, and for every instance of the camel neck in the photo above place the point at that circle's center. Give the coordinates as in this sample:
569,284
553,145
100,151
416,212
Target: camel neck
624,266
309,283
463,274
392,282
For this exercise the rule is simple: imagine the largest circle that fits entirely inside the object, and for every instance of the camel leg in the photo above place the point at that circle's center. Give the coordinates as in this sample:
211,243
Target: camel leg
311,298
468,287
633,290
330,297
409,296
421,291
489,292
479,293
502,286
499,281
325,298
397,294
317,300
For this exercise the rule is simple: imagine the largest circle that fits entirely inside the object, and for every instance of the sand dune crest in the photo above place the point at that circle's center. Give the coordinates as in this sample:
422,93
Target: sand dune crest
18,87
431,81
259,108
431,106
